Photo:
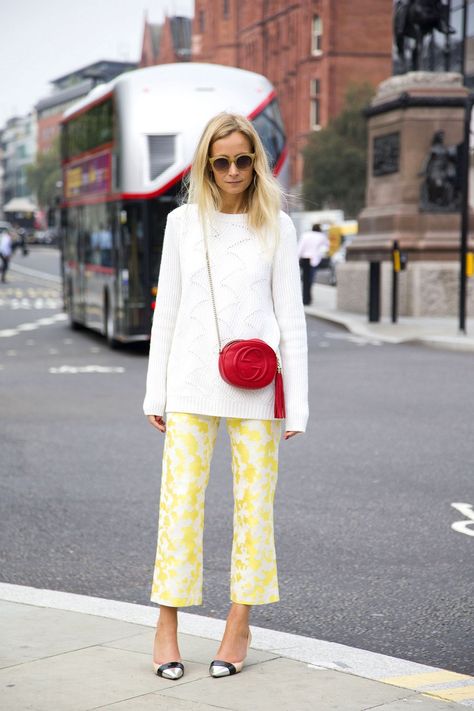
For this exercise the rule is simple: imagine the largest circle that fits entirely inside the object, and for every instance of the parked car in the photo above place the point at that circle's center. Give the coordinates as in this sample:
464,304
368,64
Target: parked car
51,235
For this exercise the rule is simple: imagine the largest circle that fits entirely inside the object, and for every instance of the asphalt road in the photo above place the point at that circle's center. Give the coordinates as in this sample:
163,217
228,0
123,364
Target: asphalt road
367,555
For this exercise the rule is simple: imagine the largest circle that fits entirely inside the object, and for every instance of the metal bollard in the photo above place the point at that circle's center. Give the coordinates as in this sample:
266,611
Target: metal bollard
399,263
374,291
396,266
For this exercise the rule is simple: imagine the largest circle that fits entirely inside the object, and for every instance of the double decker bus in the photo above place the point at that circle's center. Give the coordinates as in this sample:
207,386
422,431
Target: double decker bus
125,149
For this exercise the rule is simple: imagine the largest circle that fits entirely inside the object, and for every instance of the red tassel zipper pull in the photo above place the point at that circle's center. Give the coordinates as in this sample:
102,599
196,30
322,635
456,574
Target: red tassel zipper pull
279,394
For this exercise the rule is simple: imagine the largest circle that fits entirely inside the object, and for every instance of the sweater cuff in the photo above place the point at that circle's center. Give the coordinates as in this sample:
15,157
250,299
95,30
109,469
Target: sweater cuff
153,407
296,424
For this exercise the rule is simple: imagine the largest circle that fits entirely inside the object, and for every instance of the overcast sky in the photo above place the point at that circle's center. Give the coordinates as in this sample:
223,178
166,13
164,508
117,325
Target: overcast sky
44,39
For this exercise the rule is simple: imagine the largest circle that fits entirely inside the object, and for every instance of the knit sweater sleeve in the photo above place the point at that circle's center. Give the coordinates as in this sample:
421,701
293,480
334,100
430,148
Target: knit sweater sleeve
290,314
164,319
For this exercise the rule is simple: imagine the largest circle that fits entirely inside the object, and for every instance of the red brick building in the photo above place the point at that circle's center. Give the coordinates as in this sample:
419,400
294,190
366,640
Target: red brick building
311,50
166,43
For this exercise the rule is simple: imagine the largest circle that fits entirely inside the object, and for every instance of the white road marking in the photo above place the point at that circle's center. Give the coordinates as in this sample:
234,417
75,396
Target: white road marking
26,327
31,291
9,332
87,369
23,303
48,320
357,340
11,353
27,303
464,526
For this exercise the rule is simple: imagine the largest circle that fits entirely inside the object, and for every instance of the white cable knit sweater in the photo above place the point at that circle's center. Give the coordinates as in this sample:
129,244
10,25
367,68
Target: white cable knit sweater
255,298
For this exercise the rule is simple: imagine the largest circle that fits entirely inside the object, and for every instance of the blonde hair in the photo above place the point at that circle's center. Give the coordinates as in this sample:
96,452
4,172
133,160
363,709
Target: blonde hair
263,194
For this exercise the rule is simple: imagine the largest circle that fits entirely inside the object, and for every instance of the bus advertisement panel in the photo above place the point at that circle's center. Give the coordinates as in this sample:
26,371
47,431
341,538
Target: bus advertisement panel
88,177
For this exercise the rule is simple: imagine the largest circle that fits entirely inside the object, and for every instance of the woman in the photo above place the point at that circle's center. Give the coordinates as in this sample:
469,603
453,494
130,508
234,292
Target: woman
233,204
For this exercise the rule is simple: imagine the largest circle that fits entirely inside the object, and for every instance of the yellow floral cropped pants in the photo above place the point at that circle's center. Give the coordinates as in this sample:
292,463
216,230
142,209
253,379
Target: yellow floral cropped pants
188,447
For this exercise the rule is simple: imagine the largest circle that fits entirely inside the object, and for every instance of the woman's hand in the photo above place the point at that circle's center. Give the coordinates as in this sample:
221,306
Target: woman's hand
290,433
157,422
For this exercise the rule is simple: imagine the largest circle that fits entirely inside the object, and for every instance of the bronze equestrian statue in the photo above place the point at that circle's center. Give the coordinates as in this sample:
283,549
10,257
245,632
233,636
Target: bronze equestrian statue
415,19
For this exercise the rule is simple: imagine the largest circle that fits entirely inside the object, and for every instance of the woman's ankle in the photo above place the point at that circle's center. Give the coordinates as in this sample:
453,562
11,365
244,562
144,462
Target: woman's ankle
239,616
168,616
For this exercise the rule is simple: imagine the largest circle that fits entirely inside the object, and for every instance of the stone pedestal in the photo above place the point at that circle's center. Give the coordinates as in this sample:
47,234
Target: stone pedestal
427,289
404,116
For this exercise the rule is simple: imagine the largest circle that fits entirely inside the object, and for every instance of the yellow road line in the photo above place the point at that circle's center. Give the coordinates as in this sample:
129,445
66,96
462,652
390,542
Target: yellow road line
414,681
460,693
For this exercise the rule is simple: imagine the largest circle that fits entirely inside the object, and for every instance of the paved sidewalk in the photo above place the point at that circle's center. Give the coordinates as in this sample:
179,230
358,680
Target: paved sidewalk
434,332
57,659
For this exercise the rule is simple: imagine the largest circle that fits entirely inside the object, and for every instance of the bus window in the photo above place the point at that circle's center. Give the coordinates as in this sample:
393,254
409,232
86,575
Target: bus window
98,235
269,126
133,257
88,130
157,214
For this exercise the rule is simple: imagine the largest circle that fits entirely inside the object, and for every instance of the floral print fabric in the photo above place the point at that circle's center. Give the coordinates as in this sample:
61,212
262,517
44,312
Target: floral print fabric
188,447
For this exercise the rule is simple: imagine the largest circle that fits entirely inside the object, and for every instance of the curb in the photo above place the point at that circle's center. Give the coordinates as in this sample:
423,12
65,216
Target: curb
359,328
429,681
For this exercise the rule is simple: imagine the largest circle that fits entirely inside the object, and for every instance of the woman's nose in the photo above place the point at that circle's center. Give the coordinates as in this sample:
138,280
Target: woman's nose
233,169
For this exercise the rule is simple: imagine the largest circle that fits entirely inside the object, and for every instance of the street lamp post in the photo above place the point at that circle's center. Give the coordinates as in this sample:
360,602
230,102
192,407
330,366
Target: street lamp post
465,164
464,212
463,37
447,42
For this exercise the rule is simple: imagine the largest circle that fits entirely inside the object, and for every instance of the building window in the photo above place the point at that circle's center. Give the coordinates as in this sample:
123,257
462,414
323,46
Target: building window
225,9
315,105
202,21
316,35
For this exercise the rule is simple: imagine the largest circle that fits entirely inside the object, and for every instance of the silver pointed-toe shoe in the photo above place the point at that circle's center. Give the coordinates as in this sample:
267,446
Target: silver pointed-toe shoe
170,670
219,667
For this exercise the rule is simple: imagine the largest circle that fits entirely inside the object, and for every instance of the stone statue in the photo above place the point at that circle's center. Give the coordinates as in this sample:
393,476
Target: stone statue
440,191
415,19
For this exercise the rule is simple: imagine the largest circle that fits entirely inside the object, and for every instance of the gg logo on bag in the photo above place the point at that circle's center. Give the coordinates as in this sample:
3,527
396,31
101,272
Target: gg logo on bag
248,363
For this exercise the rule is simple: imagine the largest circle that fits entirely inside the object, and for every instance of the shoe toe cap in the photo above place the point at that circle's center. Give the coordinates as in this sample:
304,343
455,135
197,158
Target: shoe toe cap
174,673
221,668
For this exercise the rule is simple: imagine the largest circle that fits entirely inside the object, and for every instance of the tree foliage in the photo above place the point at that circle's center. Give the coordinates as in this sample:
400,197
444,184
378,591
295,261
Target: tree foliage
43,175
335,158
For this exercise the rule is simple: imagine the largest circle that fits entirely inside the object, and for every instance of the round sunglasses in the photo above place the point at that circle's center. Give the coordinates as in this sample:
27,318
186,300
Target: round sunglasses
242,161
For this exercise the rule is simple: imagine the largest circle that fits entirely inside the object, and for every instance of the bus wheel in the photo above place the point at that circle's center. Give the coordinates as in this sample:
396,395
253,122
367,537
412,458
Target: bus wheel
109,326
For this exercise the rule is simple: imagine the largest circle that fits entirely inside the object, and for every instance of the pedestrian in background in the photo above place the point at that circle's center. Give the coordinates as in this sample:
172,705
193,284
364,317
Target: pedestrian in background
6,248
233,207
22,241
312,247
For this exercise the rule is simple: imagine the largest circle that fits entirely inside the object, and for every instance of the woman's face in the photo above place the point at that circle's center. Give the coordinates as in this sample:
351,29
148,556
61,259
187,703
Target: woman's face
232,181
